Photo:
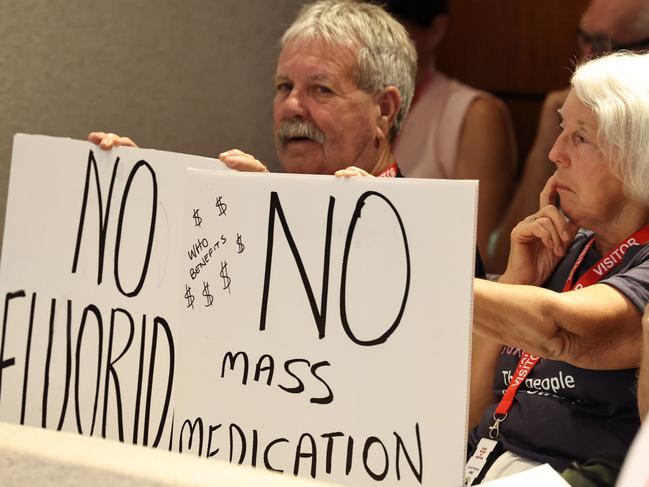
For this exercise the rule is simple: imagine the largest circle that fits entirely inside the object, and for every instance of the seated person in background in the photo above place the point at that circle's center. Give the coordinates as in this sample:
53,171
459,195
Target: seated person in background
605,26
344,81
452,130
574,290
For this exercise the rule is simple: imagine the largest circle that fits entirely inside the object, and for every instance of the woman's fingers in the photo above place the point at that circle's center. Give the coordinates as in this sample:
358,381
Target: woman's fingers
544,228
550,226
567,229
549,194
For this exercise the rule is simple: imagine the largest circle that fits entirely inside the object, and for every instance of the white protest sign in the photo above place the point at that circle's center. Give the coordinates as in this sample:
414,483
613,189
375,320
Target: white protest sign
354,317
326,325
88,272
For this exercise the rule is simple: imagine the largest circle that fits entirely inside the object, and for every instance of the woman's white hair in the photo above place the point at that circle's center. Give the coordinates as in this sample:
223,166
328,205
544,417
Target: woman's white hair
385,54
616,88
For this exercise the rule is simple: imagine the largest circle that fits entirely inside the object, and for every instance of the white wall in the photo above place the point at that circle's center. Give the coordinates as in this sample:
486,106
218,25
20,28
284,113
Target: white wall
191,76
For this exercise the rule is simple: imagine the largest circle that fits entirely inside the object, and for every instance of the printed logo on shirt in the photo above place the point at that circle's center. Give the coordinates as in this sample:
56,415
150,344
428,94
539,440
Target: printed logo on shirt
553,384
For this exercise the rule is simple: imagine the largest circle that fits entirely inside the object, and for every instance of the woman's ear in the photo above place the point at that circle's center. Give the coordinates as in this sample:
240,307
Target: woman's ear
389,103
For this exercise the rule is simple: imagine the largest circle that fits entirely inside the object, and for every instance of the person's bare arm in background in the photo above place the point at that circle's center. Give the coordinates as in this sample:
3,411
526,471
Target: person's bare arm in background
487,151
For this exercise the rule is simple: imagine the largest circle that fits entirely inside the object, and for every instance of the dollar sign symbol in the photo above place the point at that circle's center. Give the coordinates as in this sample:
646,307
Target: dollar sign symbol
206,293
221,206
189,297
197,219
240,244
226,278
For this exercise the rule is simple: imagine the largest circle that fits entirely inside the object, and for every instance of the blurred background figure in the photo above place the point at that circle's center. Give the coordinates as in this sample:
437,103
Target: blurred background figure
453,131
605,26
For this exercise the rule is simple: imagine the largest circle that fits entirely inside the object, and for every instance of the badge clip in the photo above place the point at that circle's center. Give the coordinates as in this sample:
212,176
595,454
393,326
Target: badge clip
494,429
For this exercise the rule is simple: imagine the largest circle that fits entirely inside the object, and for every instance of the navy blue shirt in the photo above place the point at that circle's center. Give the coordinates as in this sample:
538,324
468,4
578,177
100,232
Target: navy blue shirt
561,412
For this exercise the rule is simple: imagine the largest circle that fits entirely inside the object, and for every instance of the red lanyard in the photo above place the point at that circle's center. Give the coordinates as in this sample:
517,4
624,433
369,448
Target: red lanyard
607,263
592,276
523,369
390,172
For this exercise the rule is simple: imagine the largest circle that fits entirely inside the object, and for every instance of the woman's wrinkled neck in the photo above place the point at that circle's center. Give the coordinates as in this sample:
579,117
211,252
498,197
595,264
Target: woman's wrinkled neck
634,217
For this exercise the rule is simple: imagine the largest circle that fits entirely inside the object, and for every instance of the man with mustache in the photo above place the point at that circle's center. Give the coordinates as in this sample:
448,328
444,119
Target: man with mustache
344,82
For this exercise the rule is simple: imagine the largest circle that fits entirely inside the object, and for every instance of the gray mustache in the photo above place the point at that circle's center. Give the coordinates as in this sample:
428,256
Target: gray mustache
299,128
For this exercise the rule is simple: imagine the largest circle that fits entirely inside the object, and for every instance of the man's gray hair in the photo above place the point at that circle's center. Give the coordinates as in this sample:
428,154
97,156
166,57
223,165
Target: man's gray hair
386,56
616,88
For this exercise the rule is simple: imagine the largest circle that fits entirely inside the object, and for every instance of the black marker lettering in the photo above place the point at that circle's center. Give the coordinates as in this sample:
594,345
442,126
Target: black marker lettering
242,454
154,206
350,454
68,366
46,379
210,452
255,442
192,426
312,454
329,397
419,473
100,333
372,440
330,448
158,323
233,359
300,385
138,390
171,433
267,451
343,279
111,373
320,315
270,368
103,219
6,363
28,349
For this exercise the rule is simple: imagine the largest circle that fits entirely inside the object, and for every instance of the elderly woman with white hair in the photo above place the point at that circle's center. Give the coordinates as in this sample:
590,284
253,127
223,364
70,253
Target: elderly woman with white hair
562,326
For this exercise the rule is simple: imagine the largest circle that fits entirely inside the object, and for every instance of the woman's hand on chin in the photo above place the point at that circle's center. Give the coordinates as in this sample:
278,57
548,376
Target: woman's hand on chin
539,242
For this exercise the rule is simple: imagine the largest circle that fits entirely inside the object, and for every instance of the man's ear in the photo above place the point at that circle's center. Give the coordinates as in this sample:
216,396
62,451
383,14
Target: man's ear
389,103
